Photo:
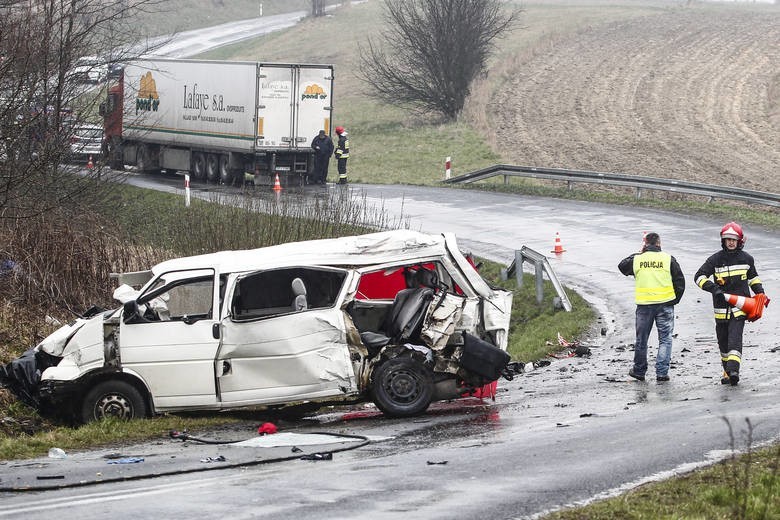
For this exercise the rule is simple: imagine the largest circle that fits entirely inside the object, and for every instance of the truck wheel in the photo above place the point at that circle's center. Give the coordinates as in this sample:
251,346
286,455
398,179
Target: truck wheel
113,399
142,158
212,167
198,166
402,387
225,173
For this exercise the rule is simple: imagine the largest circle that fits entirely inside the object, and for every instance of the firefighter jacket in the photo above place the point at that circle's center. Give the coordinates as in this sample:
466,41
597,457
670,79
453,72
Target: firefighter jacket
732,272
658,276
342,148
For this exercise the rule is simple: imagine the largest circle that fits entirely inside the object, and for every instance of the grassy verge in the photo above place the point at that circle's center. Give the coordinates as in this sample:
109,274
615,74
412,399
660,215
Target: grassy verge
741,487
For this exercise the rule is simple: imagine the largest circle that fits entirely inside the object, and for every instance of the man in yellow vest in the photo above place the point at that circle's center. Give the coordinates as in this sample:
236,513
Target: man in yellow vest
660,284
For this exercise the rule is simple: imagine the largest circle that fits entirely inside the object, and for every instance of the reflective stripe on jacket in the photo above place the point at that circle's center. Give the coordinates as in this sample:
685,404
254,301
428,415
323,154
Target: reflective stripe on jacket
652,272
342,148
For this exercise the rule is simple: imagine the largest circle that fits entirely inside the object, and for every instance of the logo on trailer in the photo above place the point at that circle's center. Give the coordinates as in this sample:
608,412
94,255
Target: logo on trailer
148,99
314,91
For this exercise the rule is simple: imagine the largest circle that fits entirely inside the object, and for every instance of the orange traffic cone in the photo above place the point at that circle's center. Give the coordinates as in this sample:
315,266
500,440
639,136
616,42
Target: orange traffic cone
752,307
277,184
558,246
90,164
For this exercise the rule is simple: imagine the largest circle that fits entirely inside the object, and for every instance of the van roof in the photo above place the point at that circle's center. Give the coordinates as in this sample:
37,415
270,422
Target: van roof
360,250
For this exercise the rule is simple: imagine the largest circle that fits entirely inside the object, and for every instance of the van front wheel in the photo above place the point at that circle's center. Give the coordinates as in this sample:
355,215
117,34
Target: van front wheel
402,387
113,399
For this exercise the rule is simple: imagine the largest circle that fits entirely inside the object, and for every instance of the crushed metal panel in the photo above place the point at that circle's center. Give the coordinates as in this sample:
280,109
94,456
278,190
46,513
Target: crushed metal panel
476,281
296,356
440,320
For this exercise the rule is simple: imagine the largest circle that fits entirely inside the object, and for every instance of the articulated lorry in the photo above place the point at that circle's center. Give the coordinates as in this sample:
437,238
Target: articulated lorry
218,120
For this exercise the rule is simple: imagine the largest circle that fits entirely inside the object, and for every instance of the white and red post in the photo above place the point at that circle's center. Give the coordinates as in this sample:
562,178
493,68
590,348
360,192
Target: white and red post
187,190
448,167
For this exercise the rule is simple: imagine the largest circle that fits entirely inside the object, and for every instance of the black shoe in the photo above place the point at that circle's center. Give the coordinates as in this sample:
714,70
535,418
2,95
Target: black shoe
734,378
635,375
662,378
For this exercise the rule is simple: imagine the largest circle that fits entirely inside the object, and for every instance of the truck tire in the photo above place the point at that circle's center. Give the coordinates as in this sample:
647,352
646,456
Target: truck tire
113,398
225,173
142,158
212,167
198,166
402,387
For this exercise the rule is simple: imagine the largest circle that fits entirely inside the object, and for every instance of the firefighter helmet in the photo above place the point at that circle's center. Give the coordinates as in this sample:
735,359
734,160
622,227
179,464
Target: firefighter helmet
732,230
339,130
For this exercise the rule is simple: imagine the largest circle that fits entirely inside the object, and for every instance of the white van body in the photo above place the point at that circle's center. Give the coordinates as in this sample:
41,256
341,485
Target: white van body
232,329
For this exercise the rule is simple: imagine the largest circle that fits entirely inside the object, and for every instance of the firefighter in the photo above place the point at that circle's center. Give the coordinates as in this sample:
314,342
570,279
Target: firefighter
731,270
659,285
342,153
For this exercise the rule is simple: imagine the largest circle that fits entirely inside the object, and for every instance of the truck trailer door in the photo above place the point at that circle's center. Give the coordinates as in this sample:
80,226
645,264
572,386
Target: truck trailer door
314,102
275,106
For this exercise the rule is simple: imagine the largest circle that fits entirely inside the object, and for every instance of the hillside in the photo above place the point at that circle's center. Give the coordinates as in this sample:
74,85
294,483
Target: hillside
683,90
688,94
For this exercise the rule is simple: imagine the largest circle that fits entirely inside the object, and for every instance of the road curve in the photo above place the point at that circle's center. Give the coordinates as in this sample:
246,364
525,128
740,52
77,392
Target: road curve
559,435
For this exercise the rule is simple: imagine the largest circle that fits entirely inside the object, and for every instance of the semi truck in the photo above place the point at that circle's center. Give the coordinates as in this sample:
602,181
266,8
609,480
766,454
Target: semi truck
221,121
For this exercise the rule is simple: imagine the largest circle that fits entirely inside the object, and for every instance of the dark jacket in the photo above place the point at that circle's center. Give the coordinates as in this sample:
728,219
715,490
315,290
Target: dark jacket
626,267
322,146
732,272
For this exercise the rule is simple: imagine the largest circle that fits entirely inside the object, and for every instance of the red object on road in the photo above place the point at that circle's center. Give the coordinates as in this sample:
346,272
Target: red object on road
267,429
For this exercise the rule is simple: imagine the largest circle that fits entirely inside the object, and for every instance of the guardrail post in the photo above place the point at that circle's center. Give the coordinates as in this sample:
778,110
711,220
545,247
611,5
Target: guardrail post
541,265
506,180
639,193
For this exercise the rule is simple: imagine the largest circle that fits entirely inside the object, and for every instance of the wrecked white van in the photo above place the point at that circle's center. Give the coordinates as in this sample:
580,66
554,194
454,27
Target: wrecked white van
400,318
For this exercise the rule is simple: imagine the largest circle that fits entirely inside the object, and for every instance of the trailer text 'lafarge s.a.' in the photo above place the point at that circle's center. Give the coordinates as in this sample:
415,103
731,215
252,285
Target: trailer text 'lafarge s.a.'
218,120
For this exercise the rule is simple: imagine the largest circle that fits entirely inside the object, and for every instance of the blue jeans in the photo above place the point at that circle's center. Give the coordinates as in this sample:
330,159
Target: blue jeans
663,316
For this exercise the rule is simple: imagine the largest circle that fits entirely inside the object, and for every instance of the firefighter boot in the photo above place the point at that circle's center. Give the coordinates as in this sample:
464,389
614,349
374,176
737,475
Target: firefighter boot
724,379
733,378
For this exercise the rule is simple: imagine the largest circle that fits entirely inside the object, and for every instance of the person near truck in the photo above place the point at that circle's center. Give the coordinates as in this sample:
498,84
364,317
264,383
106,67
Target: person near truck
342,153
659,285
323,149
732,271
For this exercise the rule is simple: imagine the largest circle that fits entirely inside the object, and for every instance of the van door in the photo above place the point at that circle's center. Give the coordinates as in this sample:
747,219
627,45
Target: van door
285,338
169,342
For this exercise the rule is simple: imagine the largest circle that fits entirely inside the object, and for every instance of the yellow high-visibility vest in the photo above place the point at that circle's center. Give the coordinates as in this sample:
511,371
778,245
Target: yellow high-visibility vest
653,275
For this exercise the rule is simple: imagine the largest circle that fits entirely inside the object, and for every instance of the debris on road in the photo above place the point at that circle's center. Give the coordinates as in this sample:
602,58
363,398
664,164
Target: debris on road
318,456
127,460
219,458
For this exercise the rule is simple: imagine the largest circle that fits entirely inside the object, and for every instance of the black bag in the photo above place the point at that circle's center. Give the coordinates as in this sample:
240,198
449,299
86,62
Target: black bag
483,359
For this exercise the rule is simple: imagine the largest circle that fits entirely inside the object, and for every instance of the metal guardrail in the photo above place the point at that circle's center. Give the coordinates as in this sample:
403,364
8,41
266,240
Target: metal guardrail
619,179
541,266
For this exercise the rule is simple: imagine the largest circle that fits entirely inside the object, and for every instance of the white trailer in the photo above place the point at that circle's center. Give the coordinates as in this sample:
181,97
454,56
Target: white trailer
219,120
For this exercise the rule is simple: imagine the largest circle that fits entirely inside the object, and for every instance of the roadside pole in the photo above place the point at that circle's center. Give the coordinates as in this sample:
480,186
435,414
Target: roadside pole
187,190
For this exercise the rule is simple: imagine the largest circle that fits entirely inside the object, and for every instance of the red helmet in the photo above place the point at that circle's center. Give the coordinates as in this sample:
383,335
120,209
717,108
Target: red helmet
732,230
339,130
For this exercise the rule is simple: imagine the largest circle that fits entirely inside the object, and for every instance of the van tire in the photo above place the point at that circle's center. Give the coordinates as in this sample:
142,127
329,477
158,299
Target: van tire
402,387
113,398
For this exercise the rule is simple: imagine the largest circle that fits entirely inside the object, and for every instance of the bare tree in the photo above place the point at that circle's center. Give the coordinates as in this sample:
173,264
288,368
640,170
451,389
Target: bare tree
318,7
41,97
432,50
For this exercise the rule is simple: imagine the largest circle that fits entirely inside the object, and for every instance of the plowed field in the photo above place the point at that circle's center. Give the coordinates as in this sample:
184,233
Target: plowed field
685,94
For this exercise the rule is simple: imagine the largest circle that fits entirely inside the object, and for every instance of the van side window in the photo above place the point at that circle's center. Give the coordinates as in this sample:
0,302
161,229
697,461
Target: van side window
284,291
180,296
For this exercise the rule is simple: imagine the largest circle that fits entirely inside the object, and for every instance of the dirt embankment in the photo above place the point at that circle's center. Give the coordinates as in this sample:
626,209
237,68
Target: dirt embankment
688,94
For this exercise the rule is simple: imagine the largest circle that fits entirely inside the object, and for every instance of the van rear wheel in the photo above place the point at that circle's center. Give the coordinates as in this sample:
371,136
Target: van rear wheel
113,399
402,387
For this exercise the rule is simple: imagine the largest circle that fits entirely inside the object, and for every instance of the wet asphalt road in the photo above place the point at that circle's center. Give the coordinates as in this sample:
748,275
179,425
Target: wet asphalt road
564,434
